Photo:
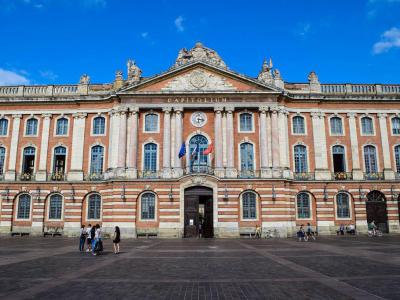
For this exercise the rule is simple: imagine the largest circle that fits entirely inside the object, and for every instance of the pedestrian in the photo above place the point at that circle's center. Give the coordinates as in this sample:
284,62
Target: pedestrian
89,238
301,233
258,232
116,239
92,237
97,246
341,230
82,238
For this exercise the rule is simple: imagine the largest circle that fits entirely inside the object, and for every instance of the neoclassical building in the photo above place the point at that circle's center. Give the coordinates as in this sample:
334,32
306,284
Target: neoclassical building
199,143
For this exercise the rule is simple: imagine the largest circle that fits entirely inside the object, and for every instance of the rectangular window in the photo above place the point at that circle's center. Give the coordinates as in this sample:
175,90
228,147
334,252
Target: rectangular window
396,125
367,125
246,122
3,126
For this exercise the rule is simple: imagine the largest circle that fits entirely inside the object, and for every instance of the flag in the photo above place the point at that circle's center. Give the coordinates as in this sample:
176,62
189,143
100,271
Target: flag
182,152
195,151
209,149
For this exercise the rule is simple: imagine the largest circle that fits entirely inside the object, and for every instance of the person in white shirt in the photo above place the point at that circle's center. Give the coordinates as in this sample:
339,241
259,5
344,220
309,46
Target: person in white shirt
88,238
97,239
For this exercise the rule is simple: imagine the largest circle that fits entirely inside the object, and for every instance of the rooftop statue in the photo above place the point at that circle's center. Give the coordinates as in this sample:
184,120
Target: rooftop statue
134,72
199,53
265,74
85,79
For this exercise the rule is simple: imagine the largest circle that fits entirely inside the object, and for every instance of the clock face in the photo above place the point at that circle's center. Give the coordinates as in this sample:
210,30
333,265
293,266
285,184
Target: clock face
199,119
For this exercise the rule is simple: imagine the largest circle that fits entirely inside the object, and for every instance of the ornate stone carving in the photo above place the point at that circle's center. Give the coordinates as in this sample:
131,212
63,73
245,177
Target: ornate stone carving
199,53
134,72
199,80
85,79
265,74
315,86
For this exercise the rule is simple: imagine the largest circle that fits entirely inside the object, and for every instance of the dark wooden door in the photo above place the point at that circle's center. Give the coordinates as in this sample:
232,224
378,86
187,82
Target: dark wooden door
191,215
208,226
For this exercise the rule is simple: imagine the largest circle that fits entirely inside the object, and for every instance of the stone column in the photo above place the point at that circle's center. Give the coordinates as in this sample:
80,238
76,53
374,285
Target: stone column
269,140
224,158
122,144
276,172
167,143
263,143
284,142
357,173
230,143
113,149
178,171
41,174
387,166
320,151
219,170
78,140
11,173
132,143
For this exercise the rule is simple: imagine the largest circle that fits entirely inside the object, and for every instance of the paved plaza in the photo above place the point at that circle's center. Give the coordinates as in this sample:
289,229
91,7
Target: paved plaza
329,268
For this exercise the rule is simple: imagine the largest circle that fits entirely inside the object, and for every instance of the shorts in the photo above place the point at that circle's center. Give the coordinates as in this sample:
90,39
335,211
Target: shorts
89,241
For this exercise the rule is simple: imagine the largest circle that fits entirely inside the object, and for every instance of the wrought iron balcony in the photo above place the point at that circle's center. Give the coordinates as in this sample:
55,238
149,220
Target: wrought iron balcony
342,175
26,176
374,176
94,177
151,174
57,176
304,176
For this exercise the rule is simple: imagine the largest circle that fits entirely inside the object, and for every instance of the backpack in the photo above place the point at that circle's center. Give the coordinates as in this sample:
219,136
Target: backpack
92,232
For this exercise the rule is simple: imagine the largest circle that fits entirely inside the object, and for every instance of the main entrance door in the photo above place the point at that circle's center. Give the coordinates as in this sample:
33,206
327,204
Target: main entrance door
376,210
199,212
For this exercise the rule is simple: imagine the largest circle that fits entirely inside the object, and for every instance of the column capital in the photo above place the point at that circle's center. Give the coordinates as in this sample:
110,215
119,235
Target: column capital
317,115
218,109
351,115
229,109
263,109
283,110
46,116
274,109
17,116
167,110
79,115
382,115
178,109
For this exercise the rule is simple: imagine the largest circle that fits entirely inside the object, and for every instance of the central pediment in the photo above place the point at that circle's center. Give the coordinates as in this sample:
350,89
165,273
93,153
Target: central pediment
198,77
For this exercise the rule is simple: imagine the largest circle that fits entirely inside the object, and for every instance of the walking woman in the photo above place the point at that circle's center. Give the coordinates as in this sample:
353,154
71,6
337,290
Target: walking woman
82,238
116,239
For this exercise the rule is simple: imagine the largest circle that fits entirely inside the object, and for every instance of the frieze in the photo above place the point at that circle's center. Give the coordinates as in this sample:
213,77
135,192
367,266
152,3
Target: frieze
197,100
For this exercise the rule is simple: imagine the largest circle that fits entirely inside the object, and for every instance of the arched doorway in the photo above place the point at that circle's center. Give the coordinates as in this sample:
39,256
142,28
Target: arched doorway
376,210
198,161
198,210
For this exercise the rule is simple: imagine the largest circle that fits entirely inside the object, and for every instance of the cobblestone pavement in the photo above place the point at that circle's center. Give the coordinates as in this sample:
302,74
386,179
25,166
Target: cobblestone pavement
329,268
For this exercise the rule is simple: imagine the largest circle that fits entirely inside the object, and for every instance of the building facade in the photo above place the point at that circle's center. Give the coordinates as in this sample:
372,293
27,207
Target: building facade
195,144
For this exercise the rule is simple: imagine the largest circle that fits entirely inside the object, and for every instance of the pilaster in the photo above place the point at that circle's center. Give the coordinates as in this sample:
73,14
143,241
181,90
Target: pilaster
355,157
320,151
11,172
276,171
231,172
167,143
219,171
265,171
132,143
178,171
387,166
78,139
41,174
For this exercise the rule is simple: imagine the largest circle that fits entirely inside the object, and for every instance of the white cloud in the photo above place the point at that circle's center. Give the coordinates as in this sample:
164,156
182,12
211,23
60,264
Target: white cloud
179,24
389,39
49,75
12,78
144,34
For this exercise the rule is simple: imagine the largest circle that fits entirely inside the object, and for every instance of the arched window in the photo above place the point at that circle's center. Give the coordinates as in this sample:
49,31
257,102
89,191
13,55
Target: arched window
28,164
336,125
303,206
298,125
246,122
31,127
24,207
249,205
99,125
60,153
62,126
300,159
150,157
3,126
151,123
55,207
246,159
367,125
2,159
96,160
147,206
198,160
94,207
370,159
342,205
339,162
397,158
396,125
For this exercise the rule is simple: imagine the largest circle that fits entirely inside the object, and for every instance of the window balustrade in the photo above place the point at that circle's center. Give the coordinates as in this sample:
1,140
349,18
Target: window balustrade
374,176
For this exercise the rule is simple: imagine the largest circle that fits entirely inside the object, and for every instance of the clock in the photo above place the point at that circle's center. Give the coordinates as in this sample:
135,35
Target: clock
198,119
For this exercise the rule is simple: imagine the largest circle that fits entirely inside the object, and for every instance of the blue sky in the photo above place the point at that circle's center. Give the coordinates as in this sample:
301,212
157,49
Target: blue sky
55,41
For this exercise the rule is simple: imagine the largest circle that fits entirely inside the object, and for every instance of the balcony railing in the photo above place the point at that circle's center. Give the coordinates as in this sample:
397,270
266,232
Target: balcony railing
249,174
57,176
151,174
199,170
26,177
342,175
304,176
374,176
94,177
1,176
